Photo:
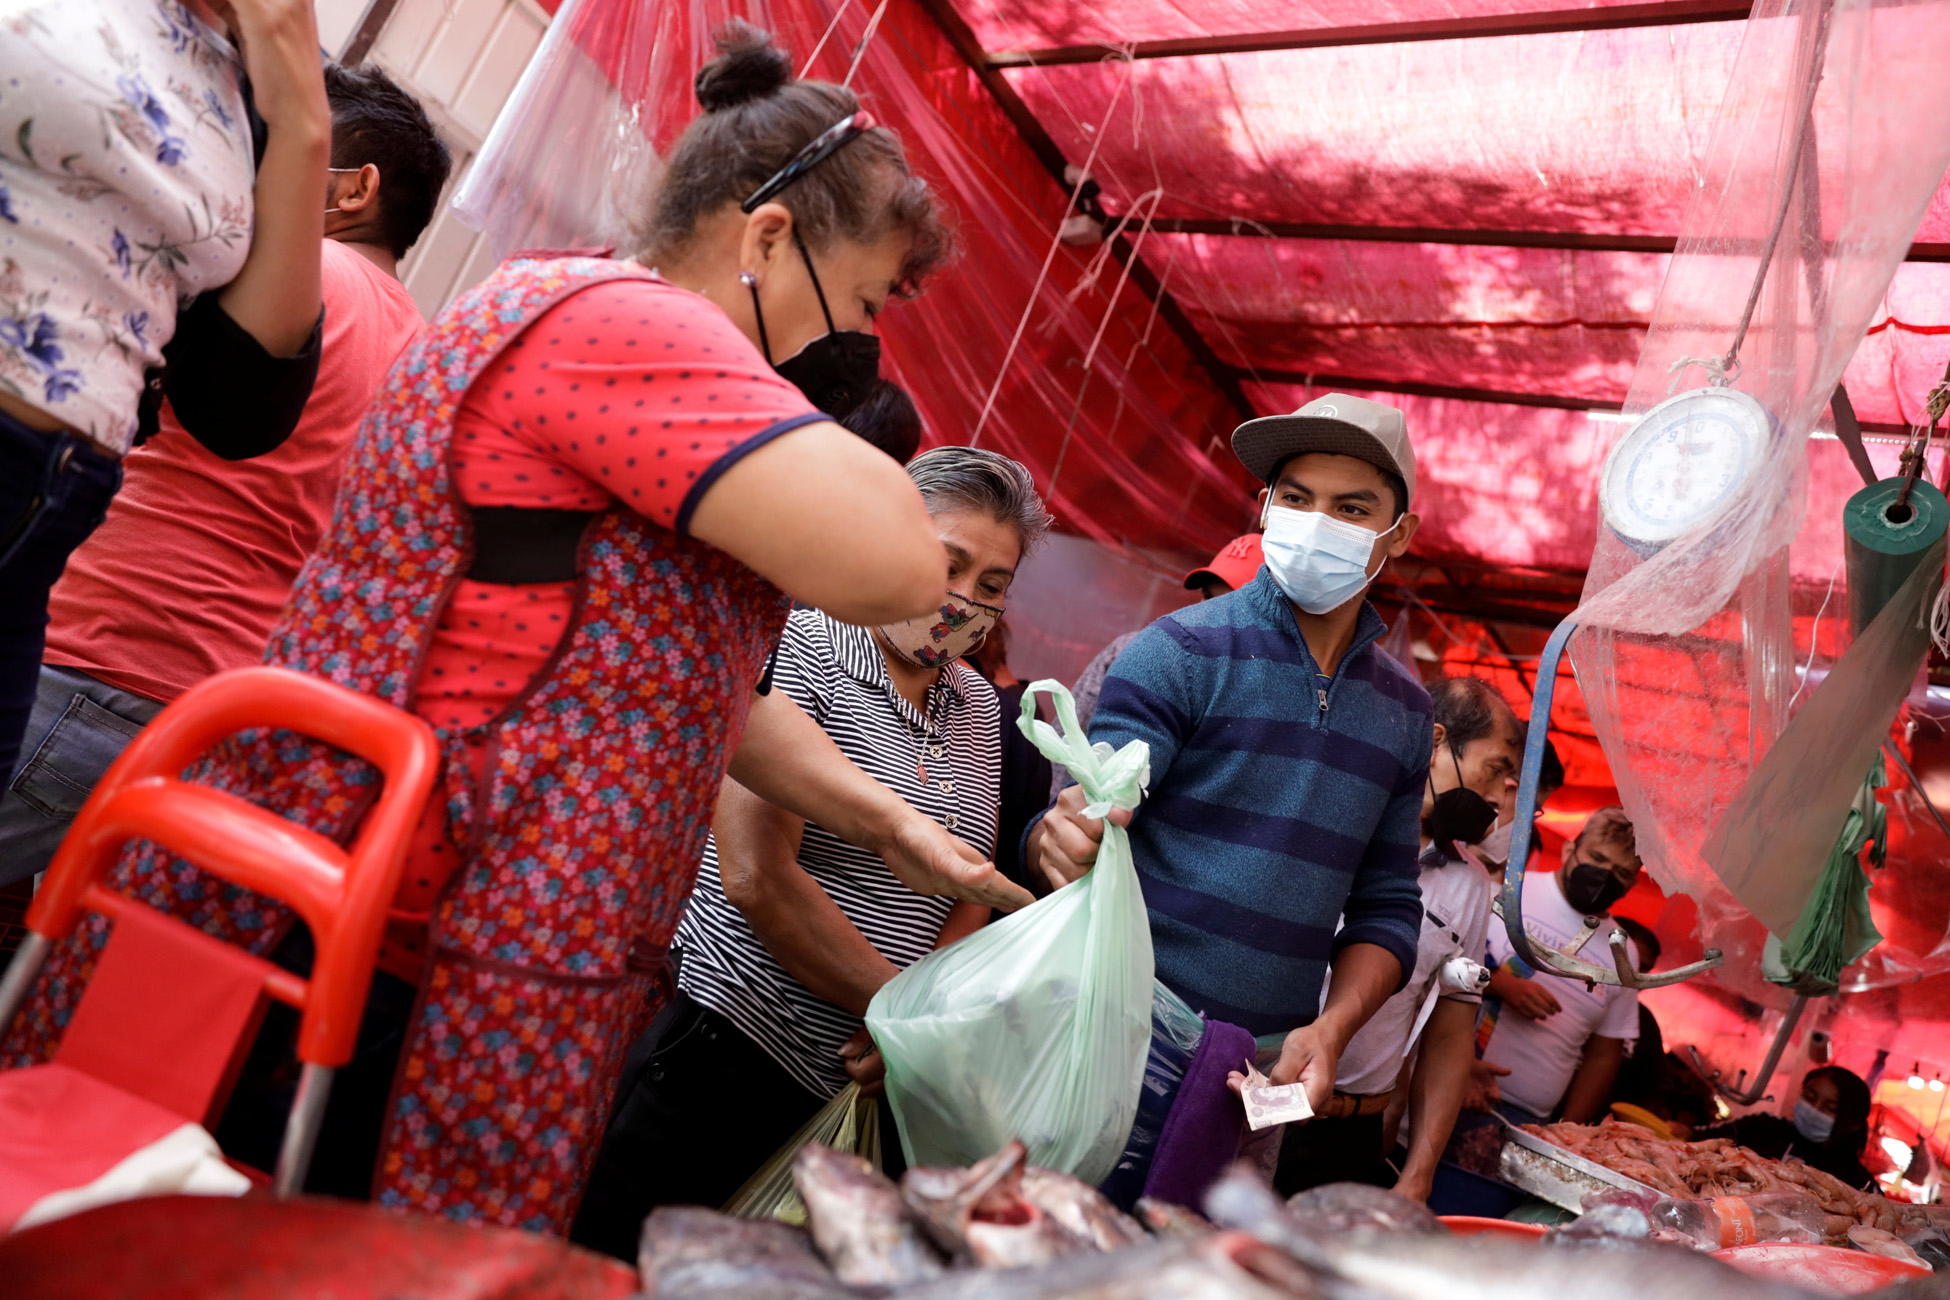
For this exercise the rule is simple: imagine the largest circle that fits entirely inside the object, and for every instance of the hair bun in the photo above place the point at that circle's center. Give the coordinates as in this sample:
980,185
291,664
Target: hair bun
748,67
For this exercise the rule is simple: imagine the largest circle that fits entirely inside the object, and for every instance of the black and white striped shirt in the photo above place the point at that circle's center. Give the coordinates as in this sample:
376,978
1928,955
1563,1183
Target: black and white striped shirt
836,674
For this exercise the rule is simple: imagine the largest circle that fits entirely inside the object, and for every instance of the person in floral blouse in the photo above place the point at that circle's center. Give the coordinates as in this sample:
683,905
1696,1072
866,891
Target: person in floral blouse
144,224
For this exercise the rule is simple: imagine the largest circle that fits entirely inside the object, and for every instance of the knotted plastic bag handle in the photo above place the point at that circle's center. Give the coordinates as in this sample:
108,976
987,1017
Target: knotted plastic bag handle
1111,778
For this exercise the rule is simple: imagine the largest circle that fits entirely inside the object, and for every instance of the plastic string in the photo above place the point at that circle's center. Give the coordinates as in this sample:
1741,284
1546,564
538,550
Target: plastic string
866,39
839,11
1806,124
1154,197
1814,639
1144,341
1049,259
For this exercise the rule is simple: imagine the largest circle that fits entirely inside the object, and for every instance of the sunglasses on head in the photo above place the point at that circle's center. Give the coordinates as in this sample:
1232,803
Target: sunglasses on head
824,145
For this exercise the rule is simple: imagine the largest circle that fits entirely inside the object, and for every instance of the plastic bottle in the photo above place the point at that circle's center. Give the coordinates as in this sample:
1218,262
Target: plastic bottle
1723,1221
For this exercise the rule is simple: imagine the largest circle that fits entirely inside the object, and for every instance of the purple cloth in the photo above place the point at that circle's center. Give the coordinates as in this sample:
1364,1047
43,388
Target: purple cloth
1201,1134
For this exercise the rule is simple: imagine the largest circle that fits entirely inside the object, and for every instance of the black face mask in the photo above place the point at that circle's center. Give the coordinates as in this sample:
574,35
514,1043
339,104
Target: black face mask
1591,889
1460,815
835,371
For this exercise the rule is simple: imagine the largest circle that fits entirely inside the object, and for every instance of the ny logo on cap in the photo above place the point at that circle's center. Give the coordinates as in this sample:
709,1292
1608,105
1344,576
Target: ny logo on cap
1327,410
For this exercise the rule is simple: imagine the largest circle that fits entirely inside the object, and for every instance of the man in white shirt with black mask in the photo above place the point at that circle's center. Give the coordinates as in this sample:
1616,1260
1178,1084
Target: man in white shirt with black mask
1560,1042
1478,747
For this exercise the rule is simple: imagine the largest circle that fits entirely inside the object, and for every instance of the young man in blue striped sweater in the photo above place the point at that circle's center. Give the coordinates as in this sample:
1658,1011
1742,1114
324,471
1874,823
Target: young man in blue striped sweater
1288,756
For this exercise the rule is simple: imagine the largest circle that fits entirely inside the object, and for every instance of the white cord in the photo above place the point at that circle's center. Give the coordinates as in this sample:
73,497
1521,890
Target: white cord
838,12
1940,620
1814,638
1056,242
873,25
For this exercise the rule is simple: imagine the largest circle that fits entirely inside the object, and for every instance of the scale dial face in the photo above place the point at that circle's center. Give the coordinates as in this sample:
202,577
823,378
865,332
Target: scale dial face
1682,460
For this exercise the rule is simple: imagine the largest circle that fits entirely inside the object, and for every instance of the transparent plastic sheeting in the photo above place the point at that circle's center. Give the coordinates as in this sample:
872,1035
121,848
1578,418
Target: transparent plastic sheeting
1124,448
1691,651
1771,844
573,156
1039,24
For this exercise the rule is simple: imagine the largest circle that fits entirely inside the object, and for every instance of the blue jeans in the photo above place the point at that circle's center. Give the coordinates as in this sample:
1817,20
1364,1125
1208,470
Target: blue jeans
77,727
54,491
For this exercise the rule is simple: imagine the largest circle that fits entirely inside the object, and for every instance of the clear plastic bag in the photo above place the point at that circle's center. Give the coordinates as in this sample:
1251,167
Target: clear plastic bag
849,1122
1036,1027
1175,1033
1830,128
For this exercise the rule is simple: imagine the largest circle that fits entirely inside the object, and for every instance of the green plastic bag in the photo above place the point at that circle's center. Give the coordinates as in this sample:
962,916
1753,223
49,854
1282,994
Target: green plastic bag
1836,929
1035,1027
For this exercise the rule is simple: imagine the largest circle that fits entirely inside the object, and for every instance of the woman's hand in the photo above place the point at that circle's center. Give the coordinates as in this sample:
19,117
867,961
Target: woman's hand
279,42
928,860
864,1063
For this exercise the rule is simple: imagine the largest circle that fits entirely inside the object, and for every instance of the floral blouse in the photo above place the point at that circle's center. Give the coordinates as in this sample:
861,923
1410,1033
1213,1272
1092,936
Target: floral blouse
125,190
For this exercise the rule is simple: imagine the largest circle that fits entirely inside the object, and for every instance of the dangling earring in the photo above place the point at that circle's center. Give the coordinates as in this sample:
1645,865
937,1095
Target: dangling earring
750,281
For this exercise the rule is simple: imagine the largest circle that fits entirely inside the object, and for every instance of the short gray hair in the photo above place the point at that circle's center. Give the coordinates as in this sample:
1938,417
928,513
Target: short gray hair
967,478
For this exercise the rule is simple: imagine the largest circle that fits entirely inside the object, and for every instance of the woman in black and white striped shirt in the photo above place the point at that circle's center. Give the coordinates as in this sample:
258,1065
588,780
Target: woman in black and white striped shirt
790,930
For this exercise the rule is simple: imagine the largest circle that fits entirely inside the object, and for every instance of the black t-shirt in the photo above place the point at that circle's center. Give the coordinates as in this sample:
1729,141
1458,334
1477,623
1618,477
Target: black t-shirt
1777,1139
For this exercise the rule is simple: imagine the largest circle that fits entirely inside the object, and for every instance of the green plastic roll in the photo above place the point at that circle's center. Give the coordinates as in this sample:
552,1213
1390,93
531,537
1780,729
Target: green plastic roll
1881,551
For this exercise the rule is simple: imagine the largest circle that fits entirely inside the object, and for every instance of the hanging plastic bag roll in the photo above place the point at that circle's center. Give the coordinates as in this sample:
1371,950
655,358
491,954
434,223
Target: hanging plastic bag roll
1888,533
1035,1027
1882,552
1771,847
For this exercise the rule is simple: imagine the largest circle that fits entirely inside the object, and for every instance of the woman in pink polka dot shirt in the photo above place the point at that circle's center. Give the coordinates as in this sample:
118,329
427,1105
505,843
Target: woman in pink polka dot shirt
568,535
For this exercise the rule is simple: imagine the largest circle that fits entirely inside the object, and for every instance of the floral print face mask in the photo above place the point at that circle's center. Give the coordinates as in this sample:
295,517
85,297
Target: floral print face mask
934,640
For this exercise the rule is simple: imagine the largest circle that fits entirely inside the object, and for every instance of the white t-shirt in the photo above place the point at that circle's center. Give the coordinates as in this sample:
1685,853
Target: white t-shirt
125,190
1542,1055
1455,922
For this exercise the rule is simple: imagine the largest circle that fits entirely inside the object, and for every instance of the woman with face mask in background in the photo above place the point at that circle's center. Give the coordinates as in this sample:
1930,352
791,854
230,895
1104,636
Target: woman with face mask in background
567,536
791,931
1828,1128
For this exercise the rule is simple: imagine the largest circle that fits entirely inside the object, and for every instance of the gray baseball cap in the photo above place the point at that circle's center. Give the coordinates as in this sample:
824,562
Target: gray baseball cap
1337,423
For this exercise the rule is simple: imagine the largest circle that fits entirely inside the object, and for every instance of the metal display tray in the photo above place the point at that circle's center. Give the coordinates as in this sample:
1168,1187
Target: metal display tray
1552,1173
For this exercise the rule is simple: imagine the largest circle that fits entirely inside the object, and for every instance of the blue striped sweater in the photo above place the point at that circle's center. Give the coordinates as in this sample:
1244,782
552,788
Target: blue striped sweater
1279,802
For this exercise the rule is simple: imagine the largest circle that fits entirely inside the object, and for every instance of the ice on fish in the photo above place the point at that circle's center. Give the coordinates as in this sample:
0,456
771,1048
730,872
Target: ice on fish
1168,1220
1440,1266
858,1220
1355,1206
688,1251
1220,1266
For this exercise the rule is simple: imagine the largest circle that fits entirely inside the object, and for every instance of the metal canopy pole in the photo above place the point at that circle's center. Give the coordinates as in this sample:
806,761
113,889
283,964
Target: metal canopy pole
1745,1096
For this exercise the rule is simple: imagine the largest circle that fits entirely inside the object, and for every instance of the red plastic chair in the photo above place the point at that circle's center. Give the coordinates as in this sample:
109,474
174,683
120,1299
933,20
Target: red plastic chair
160,983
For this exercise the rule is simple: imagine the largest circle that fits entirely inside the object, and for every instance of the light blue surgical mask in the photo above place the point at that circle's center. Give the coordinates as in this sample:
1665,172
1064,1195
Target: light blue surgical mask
1811,1123
1320,562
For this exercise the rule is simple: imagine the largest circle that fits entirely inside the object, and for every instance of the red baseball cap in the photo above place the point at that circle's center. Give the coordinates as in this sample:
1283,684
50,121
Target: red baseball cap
1234,565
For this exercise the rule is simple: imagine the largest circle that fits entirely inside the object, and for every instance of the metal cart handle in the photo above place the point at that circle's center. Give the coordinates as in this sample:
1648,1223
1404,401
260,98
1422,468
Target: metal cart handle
1541,956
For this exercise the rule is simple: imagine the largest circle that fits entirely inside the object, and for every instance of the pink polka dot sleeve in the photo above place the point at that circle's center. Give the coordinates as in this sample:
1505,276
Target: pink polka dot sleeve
634,390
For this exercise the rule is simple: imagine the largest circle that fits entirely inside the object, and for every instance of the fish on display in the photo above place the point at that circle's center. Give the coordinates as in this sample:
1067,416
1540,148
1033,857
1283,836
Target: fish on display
1219,1266
1393,1265
1350,1206
1168,1220
689,1251
1081,1208
980,1213
859,1221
